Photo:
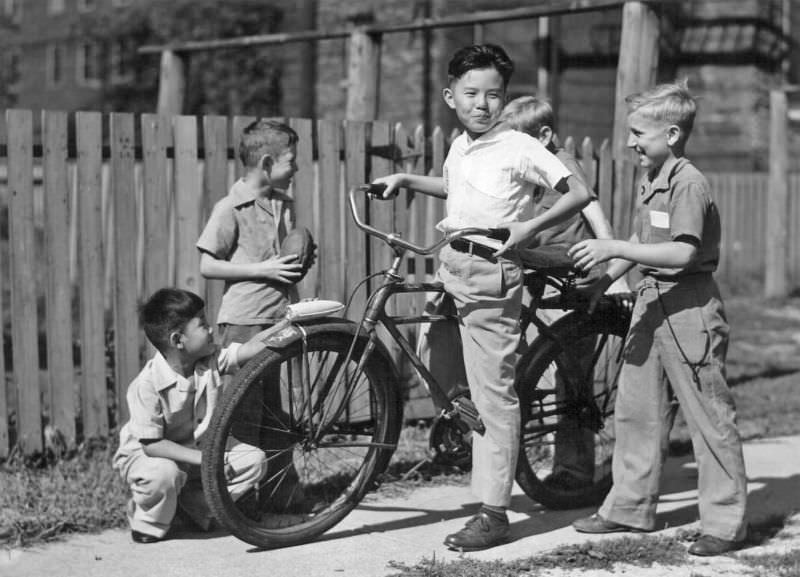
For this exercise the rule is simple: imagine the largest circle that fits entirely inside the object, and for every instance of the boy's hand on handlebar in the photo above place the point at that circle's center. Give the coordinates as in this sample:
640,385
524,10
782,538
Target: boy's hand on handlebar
283,269
393,183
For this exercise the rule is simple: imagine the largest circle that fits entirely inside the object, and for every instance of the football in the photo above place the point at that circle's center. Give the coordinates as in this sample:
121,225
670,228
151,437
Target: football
300,242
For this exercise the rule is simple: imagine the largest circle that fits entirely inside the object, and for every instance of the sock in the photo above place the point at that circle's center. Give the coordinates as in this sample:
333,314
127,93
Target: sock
497,513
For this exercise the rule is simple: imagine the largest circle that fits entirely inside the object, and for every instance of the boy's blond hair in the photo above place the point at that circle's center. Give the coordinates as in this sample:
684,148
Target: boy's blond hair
671,103
529,114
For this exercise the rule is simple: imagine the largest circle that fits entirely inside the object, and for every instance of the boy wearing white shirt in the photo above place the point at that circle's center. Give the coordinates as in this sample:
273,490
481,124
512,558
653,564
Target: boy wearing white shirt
489,176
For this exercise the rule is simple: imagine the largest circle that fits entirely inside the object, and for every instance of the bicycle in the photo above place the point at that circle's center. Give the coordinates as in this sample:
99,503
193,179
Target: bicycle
342,403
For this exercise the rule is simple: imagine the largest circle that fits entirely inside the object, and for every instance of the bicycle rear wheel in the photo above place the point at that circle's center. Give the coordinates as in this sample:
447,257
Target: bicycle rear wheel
567,383
335,429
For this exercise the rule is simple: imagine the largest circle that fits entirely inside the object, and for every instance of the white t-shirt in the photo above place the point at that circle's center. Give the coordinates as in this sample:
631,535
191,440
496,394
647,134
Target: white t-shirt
491,180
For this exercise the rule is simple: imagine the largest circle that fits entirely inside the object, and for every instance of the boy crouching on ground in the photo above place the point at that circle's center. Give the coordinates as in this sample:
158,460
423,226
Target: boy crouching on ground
170,404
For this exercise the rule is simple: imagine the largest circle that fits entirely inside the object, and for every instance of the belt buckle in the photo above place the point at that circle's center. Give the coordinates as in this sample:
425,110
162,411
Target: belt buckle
470,248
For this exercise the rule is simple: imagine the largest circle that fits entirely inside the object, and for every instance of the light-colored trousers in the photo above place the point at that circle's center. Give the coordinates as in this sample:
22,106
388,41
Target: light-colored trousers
157,485
678,330
488,297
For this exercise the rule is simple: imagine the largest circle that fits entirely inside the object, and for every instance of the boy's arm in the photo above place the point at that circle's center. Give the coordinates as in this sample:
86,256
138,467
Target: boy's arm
430,185
574,196
171,450
597,220
280,269
677,253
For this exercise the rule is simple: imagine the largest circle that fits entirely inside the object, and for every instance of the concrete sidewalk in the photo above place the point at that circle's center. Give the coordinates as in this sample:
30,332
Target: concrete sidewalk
403,528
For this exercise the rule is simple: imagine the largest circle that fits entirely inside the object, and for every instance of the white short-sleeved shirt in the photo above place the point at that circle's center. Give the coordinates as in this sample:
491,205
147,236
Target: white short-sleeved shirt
165,405
491,180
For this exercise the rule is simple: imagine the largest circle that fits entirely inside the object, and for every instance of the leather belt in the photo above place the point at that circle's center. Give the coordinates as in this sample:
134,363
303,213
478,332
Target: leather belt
473,248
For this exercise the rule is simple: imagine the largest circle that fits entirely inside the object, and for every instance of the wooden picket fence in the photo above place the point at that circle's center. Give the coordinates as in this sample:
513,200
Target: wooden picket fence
104,209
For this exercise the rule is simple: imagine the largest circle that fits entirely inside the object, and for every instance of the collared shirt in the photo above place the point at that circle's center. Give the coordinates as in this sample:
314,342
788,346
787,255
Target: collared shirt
490,180
575,228
676,202
165,405
246,227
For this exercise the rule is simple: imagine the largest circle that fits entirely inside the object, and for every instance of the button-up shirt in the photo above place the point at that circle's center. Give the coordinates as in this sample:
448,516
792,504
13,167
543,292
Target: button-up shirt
676,202
490,180
164,404
248,227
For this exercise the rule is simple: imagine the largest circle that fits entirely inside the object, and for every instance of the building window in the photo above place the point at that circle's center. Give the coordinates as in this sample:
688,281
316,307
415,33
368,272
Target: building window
121,63
54,64
14,73
88,64
86,5
12,10
55,6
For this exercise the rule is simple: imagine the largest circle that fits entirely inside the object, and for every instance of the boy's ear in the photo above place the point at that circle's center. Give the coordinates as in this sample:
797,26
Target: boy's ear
546,135
265,163
674,134
447,94
176,339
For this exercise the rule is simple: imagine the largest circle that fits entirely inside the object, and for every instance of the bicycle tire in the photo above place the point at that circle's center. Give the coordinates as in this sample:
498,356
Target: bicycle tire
565,419
322,469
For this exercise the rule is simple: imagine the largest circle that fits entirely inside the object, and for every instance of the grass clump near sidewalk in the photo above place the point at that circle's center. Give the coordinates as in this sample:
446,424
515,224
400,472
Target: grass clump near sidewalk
641,551
41,502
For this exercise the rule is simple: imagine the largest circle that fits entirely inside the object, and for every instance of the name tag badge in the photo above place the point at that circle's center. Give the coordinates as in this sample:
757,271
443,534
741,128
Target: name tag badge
659,219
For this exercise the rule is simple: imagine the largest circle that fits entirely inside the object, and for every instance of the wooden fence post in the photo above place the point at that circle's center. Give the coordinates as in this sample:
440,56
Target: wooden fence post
638,64
363,75
775,279
171,83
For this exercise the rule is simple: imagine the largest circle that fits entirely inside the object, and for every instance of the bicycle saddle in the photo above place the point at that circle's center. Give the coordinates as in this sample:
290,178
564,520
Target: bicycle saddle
551,260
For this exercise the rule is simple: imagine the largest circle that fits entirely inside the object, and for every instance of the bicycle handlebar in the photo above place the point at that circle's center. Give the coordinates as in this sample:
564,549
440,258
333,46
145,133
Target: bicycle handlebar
375,191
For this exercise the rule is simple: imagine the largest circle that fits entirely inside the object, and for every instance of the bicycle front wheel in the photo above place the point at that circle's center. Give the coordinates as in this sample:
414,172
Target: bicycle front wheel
325,424
567,383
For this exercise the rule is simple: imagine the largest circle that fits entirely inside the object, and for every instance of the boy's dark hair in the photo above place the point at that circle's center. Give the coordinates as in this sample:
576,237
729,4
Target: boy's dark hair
262,137
479,56
166,311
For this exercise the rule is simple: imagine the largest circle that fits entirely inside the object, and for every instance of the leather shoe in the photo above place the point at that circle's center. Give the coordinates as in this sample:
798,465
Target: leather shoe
144,538
597,524
708,546
480,532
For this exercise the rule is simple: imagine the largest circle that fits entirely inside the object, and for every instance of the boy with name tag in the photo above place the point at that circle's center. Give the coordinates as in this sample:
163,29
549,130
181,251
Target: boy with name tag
678,330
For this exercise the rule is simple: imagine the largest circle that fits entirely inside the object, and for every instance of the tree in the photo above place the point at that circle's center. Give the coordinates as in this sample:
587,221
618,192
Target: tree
234,81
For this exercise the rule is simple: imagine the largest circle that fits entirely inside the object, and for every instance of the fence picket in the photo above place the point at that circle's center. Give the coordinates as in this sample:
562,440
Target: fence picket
24,323
188,203
94,398
123,198
589,162
60,370
355,239
156,137
215,187
605,184
331,210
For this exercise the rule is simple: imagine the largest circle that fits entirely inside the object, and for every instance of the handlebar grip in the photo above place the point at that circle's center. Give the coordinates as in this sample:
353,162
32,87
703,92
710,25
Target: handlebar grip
375,190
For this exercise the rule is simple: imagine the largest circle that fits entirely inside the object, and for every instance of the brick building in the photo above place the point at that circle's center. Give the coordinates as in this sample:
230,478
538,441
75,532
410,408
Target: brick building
732,52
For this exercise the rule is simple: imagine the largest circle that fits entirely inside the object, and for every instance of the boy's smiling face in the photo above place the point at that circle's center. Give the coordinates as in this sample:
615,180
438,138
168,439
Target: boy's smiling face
651,139
478,98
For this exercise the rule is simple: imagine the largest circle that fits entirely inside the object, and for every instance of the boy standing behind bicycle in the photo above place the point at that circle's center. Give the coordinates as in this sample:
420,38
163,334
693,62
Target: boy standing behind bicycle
241,245
574,458
489,175
678,329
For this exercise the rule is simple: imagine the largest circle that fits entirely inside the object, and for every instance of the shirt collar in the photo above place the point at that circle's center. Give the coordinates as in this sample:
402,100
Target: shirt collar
163,374
661,180
243,192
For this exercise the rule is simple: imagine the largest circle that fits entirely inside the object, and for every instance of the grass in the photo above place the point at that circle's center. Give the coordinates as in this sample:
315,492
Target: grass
41,502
